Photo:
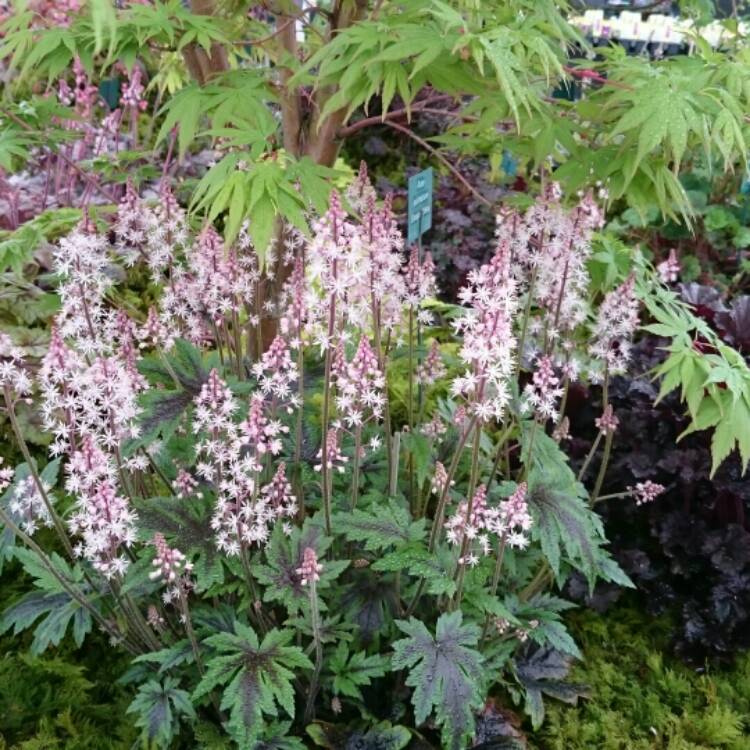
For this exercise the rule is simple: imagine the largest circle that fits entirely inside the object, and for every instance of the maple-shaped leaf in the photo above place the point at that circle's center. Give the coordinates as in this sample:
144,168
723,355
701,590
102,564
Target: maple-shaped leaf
257,677
157,705
50,599
177,378
445,672
186,525
168,658
352,671
543,671
435,567
22,472
382,527
284,558
564,524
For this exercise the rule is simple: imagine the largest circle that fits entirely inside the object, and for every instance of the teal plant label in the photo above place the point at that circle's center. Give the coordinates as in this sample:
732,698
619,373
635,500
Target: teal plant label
109,90
419,216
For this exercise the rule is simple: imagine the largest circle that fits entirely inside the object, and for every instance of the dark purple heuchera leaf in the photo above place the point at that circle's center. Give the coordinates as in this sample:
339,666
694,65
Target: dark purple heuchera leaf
706,300
687,551
497,729
734,324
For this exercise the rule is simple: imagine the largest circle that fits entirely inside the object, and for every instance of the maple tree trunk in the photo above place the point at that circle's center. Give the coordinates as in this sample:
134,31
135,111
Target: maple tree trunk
201,64
315,138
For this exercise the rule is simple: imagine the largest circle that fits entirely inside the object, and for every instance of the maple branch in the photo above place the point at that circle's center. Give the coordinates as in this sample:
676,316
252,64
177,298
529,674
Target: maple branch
586,74
423,143
393,115
93,182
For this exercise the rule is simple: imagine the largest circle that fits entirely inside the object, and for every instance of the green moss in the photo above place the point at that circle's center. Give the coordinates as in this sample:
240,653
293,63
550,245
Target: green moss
641,699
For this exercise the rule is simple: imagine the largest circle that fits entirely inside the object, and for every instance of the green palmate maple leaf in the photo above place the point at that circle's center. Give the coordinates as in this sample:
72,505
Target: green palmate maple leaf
445,672
257,677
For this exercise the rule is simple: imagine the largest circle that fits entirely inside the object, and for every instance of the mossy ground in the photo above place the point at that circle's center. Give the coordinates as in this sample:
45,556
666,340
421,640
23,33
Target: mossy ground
641,698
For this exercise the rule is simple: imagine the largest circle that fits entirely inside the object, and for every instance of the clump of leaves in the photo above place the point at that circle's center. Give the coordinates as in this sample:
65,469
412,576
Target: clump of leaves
687,552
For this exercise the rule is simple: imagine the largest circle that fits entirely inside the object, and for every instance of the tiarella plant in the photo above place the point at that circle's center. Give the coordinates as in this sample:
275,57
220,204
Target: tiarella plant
282,476
377,502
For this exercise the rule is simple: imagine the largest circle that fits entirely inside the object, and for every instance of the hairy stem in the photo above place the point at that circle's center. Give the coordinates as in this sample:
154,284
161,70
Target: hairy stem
589,456
473,477
495,580
315,679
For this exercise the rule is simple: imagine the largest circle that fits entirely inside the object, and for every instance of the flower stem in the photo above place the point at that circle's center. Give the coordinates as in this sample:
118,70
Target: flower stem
473,476
495,580
607,443
589,456
298,430
355,465
602,469
59,527
315,679
327,385
440,510
525,323
190,632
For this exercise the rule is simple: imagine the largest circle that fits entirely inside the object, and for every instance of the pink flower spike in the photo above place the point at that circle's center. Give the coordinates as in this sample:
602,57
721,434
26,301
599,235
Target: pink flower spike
310,569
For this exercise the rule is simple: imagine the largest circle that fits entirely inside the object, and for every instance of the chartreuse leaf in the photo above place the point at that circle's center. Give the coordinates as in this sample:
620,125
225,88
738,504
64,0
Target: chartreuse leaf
14,148
104,22
158,706
713,380
352,671
445,672
252,186
257,677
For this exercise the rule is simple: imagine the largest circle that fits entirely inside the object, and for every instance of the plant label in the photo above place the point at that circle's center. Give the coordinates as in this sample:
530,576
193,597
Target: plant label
419,216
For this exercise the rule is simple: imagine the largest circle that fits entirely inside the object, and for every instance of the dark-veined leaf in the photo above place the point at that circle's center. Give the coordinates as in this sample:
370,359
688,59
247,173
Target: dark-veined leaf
445,672
256,676
381,527
158,706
